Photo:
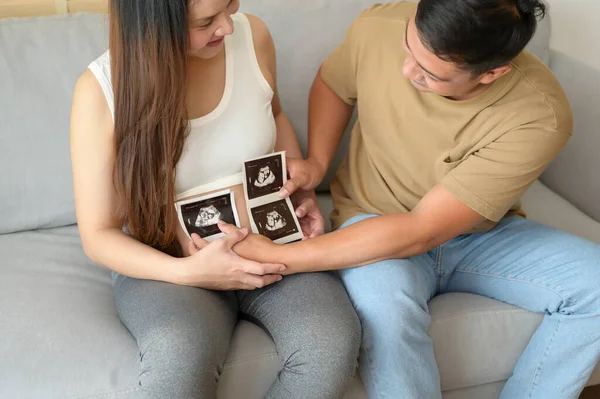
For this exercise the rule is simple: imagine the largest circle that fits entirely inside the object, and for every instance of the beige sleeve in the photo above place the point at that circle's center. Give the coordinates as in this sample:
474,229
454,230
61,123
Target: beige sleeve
339,71
493,179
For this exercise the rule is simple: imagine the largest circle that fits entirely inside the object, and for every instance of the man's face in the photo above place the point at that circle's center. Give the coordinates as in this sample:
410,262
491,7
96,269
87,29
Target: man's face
429,73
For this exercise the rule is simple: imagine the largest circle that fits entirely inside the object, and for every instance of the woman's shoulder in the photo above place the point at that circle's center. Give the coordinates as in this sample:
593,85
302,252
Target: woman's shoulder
88,88
89,100
263,42
96,82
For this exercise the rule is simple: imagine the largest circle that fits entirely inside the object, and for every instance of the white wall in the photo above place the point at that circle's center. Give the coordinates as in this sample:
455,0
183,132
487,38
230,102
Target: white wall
575,60
576,29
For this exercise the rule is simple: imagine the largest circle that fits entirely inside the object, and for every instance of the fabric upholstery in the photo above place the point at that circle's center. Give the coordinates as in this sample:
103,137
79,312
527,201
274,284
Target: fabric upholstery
40,61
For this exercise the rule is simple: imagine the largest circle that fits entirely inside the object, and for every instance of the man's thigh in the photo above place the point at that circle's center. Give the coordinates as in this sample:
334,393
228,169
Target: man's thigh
526,264
378,284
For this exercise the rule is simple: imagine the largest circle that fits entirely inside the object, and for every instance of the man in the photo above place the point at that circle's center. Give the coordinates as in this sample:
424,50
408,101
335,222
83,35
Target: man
455,122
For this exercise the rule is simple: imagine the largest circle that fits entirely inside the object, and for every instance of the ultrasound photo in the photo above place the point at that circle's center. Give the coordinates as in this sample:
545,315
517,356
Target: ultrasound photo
201,215
274,220
264,176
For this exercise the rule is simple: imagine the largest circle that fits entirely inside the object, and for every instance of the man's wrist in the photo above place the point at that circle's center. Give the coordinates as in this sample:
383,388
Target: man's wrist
284,253
178,272
320,165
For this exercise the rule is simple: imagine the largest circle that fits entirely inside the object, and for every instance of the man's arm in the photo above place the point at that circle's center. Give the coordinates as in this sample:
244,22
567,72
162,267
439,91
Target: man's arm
328,117
438,218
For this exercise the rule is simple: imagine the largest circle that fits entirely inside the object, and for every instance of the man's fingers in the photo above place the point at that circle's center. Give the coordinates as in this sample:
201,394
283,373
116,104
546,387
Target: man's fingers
234,237
226,227
305,207
290,187
317,232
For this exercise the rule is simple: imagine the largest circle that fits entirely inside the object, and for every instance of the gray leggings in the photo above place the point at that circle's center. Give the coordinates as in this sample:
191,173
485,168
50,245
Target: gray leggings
183,334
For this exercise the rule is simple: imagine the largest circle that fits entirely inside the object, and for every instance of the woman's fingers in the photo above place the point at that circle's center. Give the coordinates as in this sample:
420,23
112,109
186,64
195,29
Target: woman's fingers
192,248
198,242
260,269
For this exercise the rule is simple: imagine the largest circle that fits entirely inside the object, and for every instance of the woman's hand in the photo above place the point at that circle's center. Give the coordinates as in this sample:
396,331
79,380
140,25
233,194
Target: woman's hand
308,213
216,266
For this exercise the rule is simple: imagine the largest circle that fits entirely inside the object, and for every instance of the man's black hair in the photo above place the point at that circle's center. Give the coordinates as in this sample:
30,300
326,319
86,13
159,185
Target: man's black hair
478,35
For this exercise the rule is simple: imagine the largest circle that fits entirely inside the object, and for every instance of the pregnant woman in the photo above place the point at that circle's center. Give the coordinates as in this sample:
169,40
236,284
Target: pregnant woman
184,95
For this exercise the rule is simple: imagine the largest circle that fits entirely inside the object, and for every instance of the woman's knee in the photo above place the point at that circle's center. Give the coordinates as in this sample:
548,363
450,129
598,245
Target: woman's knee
180,363
338,352
328,347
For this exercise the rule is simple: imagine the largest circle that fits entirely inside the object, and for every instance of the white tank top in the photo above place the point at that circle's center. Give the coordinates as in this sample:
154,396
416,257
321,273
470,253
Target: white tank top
241,127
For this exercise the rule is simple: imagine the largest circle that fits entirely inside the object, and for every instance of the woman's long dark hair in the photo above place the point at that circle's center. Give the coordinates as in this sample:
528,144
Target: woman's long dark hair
148,48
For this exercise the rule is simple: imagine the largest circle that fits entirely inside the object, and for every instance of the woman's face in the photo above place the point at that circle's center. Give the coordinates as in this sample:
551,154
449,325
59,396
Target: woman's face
209,23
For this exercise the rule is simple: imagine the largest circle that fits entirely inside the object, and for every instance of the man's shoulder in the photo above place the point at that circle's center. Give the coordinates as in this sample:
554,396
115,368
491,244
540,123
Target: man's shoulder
396,11
537,81
382,21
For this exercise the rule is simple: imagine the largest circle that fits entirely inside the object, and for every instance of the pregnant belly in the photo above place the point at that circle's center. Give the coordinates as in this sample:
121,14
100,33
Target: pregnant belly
240,204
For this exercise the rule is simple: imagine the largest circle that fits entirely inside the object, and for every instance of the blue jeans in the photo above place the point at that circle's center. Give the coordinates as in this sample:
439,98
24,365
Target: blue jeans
519,262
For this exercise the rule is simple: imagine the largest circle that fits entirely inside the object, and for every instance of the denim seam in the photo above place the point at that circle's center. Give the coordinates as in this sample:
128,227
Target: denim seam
567,300
371,371
540,362
439,267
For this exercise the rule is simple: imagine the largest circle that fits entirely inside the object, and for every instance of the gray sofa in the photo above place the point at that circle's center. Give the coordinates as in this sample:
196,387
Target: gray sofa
61,335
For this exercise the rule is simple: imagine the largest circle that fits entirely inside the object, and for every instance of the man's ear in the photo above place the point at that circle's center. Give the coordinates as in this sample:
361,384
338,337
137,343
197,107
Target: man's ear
491,76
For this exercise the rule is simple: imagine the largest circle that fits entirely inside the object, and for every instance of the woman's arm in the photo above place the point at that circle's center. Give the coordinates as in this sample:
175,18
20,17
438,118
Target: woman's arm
267,61
100,223
305,201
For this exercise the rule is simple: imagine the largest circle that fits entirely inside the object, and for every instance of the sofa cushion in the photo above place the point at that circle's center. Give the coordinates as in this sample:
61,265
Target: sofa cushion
305,32
40,61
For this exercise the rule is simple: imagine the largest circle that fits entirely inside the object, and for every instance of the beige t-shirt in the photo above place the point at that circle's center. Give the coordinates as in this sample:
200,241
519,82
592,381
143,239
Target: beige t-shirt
486,150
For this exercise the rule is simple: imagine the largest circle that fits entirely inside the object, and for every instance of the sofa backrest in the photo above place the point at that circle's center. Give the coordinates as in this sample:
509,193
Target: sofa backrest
40,61
576,62
41,58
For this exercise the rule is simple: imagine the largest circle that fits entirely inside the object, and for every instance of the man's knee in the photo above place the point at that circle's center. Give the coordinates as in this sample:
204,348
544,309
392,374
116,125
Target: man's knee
586,298
390,284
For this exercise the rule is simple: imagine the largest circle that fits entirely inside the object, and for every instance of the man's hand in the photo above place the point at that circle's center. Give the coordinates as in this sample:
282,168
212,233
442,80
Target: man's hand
308,213
304,175
253,247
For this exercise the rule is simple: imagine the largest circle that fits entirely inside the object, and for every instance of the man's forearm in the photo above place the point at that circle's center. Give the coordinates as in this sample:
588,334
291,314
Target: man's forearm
286,137
366,242
328,117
